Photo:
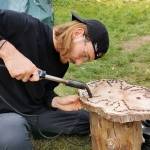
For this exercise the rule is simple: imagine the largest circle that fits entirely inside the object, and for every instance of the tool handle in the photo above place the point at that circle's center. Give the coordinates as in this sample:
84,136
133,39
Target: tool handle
71,83
42,74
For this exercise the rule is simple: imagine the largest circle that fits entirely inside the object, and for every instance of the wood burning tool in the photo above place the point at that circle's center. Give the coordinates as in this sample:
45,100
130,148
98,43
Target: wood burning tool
43,75
71,83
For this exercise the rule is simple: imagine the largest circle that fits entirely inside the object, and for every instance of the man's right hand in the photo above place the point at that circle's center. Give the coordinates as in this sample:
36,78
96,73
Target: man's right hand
19,67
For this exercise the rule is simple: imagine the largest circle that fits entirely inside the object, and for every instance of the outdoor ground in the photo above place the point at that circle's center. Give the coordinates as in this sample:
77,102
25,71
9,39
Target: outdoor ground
128,58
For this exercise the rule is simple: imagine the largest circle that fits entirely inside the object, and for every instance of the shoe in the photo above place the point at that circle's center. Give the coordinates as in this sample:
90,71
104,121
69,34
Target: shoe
146,144
146,123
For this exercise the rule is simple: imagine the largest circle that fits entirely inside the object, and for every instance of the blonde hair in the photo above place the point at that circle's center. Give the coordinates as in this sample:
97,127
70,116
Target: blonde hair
63,36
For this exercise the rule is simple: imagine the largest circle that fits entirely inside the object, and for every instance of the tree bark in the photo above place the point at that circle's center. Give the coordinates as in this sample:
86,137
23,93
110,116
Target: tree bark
107,135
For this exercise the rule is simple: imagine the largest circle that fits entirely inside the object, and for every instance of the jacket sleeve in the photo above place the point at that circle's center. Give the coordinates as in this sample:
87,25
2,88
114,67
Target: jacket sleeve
1,38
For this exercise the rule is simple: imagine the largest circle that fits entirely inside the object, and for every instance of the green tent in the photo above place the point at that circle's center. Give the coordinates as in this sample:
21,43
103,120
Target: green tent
41,9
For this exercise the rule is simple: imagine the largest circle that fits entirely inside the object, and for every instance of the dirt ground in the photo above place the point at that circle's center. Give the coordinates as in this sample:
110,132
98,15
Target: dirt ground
135,43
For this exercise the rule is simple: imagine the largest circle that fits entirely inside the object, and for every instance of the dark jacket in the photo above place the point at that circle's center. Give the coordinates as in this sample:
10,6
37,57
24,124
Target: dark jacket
34,40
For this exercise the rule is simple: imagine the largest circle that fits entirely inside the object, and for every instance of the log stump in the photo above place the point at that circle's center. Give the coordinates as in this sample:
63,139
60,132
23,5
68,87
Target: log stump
116,111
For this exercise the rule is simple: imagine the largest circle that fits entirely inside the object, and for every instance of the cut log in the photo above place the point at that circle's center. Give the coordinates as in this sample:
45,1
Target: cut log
116,111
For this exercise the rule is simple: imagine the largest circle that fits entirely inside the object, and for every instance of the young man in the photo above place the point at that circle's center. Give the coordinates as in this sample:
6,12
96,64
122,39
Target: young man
26,46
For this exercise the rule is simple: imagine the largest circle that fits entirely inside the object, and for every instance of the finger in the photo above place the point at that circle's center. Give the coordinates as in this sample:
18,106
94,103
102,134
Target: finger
19,76
16,74
28,75
26,78
70,107
65,108
78,106
34,76
74,98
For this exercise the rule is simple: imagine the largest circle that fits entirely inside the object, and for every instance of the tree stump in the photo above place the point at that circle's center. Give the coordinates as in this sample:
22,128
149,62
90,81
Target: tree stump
116,111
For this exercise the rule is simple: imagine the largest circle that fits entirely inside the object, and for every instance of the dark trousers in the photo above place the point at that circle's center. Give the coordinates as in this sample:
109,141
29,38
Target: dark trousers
15,130
146,135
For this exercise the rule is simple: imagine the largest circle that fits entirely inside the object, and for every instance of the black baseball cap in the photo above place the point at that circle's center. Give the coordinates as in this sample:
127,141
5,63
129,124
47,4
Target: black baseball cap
97,33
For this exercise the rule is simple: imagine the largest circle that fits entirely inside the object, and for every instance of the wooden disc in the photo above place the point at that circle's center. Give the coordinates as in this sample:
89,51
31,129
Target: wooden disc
117,100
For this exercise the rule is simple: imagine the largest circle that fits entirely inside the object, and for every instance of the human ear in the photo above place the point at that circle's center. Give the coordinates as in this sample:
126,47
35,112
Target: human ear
78,32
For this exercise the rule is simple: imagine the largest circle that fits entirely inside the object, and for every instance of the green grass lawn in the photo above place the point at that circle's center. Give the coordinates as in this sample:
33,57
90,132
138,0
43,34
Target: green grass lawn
125,21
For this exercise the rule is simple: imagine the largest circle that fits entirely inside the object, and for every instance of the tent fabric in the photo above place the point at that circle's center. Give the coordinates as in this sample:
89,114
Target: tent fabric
41,9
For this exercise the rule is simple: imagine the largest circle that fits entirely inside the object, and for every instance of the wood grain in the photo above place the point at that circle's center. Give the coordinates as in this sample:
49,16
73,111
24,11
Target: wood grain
118,101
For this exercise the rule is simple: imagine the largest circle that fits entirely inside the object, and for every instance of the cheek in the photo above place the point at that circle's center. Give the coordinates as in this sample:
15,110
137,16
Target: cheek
76,52
91,51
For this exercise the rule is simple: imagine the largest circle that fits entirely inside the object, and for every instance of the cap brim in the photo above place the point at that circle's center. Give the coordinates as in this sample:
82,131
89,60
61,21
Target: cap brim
76,17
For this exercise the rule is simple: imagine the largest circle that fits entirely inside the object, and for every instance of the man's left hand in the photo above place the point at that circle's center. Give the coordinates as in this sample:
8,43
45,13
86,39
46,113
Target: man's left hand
67,103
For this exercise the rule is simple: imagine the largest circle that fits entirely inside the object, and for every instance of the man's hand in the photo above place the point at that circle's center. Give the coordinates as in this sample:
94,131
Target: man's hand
19,67
67,103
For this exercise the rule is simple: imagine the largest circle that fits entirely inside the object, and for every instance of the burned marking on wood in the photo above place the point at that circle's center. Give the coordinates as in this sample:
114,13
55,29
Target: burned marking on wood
109,83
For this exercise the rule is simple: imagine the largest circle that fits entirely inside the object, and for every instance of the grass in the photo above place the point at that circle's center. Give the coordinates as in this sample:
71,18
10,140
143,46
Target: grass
124,20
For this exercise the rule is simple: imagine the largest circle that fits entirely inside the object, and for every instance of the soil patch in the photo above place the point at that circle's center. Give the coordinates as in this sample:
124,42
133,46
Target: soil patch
135,43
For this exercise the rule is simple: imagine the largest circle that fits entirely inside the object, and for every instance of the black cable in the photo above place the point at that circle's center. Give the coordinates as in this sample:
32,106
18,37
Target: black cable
77,144
45,136
22,114
39,130
27,115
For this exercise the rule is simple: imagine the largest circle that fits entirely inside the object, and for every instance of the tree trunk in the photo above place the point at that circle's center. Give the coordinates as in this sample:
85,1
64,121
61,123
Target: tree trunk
107,135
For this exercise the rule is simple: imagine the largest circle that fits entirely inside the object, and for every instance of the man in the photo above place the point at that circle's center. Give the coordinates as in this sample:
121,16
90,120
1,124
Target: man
26,46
